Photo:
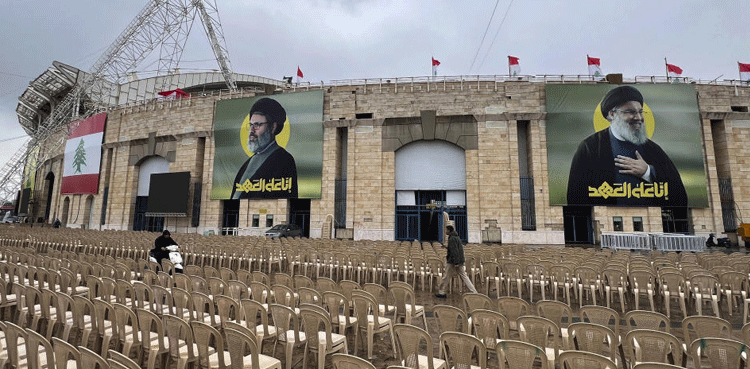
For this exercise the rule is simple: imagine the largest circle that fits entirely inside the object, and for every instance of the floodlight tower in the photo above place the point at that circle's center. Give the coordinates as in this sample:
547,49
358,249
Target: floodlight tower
164,23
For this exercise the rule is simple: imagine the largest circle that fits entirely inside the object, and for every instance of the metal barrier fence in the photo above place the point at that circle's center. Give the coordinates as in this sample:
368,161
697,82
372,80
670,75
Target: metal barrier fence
626,241
679,242
653,241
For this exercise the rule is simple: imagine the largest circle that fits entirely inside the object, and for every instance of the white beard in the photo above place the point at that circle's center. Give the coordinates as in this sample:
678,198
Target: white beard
261,143
622,129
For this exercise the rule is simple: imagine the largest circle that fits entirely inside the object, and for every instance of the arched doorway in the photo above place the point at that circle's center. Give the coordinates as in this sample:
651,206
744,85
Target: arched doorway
65,210
50,182
149,166
430,180
87,211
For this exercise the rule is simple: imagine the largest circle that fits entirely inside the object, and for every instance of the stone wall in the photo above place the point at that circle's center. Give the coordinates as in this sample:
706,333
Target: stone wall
481,117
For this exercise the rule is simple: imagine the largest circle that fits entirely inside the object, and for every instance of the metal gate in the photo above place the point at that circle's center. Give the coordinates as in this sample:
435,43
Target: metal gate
410,222
143,223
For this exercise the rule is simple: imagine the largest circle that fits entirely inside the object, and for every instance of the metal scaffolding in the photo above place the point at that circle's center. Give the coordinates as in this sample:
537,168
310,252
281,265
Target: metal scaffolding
164,23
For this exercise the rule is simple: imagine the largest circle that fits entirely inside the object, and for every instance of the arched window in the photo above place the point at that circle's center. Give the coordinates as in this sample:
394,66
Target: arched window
149,166
50,183
430,179
65,210
87,216
152,165
430,165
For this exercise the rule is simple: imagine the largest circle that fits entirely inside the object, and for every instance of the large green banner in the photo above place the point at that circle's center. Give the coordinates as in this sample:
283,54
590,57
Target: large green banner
29,172
269,147
625,145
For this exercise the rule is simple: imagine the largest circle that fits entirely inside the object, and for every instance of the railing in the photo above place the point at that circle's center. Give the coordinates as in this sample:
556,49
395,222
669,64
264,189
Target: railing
544,78
437,83
626,241
653,241
678,242
528,211
726,195
237,231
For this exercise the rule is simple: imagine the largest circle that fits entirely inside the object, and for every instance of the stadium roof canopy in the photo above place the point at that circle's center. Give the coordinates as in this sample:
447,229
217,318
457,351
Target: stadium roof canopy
52,86
43,93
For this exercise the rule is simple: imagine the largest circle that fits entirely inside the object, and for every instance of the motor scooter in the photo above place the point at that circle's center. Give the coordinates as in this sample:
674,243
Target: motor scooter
174,256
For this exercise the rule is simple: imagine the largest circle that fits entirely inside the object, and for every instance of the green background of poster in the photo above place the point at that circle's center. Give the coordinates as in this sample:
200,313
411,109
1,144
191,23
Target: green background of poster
305,113
29,172
677,129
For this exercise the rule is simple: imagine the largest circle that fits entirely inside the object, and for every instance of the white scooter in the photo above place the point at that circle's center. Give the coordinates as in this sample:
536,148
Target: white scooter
174,256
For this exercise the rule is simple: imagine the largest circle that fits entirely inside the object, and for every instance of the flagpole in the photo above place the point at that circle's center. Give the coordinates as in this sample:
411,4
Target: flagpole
587,63
666,65
739,71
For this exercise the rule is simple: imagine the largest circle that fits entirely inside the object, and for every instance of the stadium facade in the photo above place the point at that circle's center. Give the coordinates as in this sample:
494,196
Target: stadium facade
384,159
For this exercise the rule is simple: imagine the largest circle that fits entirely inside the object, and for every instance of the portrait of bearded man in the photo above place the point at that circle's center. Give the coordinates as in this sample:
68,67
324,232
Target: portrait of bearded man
271,171
623,154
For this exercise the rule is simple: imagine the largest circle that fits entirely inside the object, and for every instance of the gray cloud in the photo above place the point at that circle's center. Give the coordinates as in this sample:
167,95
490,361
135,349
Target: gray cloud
340,39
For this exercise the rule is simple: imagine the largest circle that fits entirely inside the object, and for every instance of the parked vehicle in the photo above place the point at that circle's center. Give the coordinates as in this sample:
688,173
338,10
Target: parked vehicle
284,230
11,219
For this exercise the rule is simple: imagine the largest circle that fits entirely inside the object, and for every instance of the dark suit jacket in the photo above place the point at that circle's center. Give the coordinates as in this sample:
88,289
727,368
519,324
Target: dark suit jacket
593,164
279,165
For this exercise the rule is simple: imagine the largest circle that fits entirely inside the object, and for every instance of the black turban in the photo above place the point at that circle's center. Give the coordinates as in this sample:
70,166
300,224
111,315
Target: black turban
273,111
619,96
165,233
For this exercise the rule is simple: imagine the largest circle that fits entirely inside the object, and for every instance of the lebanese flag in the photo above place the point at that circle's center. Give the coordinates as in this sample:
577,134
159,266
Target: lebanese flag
299,73
83,155
513,66
744,71
594,66
435,64
673,70
172,94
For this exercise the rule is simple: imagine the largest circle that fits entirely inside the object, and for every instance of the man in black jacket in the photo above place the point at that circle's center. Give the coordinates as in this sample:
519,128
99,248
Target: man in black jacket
454,262
620,165
160,246
271,172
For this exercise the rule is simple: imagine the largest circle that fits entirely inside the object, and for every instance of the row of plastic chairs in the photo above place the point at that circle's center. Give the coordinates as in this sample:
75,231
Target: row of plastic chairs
539,280
647,339
167,339
36,351
521,325
518,302
607,280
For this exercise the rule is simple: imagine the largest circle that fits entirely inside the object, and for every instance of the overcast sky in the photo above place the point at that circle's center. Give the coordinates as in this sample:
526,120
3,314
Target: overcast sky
353,39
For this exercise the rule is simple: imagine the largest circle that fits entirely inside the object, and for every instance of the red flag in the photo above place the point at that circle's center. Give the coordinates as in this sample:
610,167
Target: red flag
744,71
172,94
435,62
674,71
299,73
514,68
595,69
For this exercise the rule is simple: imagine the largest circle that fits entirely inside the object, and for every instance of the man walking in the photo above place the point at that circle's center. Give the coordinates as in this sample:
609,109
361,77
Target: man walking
454,263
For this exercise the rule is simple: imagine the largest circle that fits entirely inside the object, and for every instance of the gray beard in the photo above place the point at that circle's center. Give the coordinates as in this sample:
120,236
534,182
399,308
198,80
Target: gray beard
261,143
622,129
